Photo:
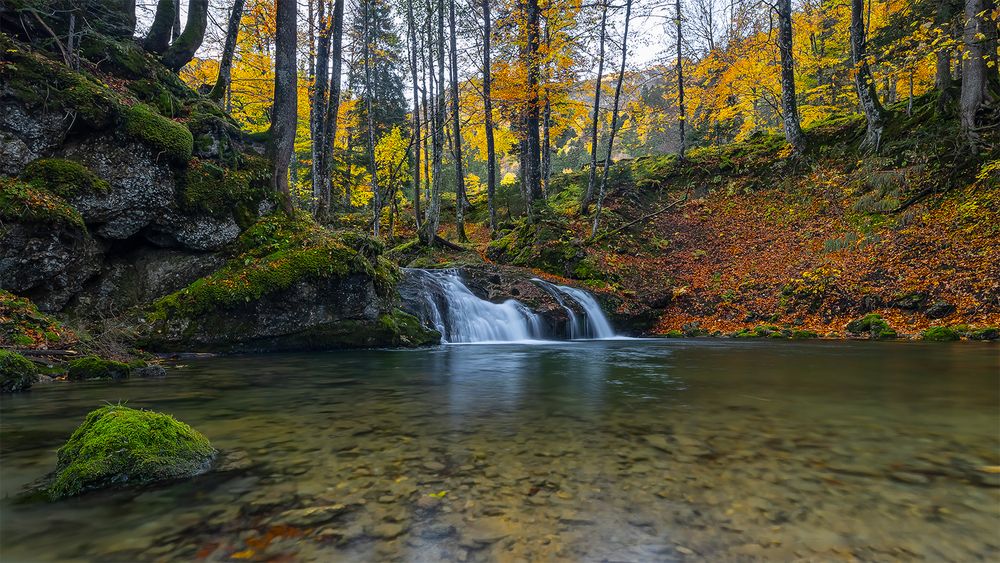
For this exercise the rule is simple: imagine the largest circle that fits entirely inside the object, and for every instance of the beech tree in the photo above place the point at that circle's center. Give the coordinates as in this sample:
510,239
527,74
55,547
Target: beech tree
867,94
284,112
158,37
329,137
588,196
978,53
789,105
184,47
457,131
532,123
491,154
228,51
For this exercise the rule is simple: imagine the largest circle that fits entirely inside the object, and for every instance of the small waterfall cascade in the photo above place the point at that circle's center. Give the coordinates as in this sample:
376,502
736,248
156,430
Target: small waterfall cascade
454,311
593,324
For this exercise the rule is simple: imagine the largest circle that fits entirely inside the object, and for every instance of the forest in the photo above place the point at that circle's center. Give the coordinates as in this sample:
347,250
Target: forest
491,280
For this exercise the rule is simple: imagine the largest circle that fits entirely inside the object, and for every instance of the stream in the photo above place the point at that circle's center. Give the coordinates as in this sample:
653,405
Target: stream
627,450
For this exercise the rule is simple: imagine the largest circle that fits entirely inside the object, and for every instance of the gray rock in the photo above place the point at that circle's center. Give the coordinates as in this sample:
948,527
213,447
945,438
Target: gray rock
26,134
312,516
939,310
151,371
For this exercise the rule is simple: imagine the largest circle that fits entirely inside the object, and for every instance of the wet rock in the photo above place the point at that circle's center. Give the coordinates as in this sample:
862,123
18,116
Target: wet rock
234,460
939,310
47,263
909,478
150,371
433,466
484,531
658,441
388,531
312,516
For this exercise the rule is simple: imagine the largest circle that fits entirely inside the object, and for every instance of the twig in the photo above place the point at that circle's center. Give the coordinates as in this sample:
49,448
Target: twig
640,219
54,37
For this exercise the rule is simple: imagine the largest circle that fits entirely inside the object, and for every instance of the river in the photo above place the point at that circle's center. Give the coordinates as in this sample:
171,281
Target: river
627,450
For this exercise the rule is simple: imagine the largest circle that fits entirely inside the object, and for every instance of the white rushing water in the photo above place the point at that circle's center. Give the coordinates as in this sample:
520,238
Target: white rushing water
593,324
444,301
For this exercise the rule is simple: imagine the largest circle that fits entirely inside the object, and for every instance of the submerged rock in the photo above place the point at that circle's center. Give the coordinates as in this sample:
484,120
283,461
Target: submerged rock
117,445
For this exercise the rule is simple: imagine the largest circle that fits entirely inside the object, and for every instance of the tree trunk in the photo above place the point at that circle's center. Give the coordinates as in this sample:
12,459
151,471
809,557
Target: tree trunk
412,35
332,110
532,121
158,39
681,112
283,113
867,96
175,30
974,79
491,153
183,49
433,220
789,105
614,122
547,120
428,118
588,196
369,48
319,108
226,63
457,131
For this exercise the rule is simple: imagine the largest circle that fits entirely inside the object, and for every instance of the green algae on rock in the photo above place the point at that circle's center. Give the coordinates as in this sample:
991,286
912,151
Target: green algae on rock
16,372
64,178
119,445
161,134
941,334
27,203
93,367
871,325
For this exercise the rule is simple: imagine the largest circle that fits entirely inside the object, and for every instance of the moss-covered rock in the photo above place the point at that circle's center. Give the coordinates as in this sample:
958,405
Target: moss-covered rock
93,367
220,191
117,445
24,326
16,372
804,334
941,334
989,333
164,136
673,333
64,178
872,326
27,203
48,85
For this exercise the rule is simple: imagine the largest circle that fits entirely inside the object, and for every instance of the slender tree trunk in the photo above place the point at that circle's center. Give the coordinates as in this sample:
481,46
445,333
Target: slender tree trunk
434,209
681,111
491,153
175,30
370,118
588,196
228,51
283,113
428,118
614,122
789,105
532,121
457,131
320,109
182,50
867,96
158,38
974,63
547,119
412,35
323,206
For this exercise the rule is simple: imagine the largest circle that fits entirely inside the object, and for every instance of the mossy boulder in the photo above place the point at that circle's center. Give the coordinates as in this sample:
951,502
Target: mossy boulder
941,334
990,333
17,373
24,326
93,367
117,445
64,178
166,137
872,326
220,191
22,202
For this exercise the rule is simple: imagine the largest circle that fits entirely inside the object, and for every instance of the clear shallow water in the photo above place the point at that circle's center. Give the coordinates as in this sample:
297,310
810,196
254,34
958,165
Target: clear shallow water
610,450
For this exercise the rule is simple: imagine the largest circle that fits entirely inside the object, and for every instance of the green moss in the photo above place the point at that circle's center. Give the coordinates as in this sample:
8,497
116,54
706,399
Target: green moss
674,333
405,330
48,85
220,191
941,334
118,445
64,178
157,95
16,372
93,367
274,254
22,324
871,325
804,334
26,203
164,136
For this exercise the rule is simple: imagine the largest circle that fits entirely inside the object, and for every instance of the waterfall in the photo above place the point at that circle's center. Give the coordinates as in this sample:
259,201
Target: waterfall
593,325
445,303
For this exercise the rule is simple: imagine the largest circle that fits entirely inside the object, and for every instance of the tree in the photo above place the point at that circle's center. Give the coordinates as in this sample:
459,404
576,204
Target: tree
867,96
491,154
588,196
228,51
184,47
681,113
457,131
411,28
532,121
614,121
158,37
284,111
429,233
370,115
329,137
789,105
975,82
318,107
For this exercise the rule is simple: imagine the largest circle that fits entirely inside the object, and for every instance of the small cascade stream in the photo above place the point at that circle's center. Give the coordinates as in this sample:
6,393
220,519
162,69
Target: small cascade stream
442,300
